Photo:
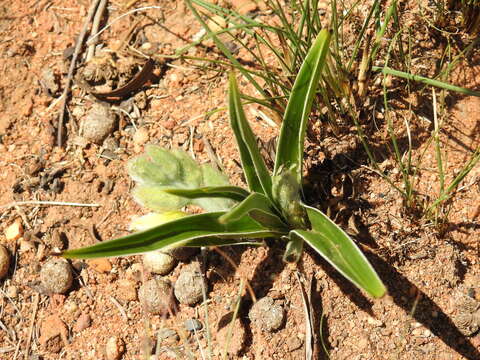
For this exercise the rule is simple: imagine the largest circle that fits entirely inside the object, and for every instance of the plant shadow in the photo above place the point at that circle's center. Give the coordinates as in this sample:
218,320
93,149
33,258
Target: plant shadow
399,289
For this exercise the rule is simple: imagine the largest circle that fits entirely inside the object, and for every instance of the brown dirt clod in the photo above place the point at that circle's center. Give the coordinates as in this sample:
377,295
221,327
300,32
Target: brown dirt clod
56,276
156,296
188,287
267,314
4,261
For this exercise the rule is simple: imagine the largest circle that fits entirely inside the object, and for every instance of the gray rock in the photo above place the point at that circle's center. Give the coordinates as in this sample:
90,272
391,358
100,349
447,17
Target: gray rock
193,325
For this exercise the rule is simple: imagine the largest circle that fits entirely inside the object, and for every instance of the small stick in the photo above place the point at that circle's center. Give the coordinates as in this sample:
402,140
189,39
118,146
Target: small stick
32,322
92,38
119,307
66,90
53,203
211,154
95,26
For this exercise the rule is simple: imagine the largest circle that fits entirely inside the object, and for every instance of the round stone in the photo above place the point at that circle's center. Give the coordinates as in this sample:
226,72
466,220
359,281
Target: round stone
56,276
189,287
156,296
267,314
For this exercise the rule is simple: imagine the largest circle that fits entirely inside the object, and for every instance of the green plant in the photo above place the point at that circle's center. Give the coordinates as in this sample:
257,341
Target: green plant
271,208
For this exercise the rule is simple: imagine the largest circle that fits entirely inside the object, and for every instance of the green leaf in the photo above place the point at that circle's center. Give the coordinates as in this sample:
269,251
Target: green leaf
189,229
294,125
256,172
159,169
228,192
286,193
204,242
255,201
152,197
335,246
151,220
191,172
267,219
144,170
294,249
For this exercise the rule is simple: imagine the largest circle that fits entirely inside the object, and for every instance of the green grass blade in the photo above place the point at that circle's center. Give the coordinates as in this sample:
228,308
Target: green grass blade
175,233
261,207
229,192
221,46
333,244
256,172
425,80
474,160
292,133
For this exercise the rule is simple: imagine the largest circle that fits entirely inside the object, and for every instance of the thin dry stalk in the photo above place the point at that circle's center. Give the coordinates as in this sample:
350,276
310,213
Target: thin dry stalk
121,310
32,322
46,203
95,27
76,53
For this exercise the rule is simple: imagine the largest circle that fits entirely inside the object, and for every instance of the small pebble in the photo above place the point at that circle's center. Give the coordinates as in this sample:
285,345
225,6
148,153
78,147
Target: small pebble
141,136
49,81
293,343
26,245
4,261
156,296
14,231
12,292
267,314
100,265
374,322
70,307
188,287
114,348
158,262
166,333
193,325
53,334
127,290
84,321
56,276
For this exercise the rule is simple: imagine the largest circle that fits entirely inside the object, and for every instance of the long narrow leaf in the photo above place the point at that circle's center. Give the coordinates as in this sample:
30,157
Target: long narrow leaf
256,172
221,242
260,205
292,133
228,192
267,219
335,246
175,233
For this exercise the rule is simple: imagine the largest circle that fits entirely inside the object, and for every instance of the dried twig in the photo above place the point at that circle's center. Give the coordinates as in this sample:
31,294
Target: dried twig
66,90
95,26
121,310
32,322
211,154
92,38
308,320
48,203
